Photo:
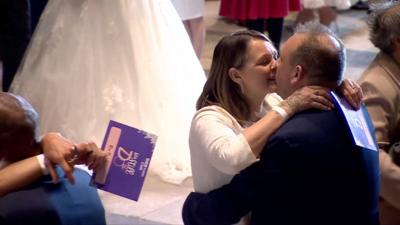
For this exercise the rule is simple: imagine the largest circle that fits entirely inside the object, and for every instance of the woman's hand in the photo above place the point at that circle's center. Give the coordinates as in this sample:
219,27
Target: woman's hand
306,98
61,151
352,92
58,150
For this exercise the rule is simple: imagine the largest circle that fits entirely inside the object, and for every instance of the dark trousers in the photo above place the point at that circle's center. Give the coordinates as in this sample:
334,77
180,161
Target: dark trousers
15,33
37,7
274,27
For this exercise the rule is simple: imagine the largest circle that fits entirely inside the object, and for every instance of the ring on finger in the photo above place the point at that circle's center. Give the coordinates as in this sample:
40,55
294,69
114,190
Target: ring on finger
74,154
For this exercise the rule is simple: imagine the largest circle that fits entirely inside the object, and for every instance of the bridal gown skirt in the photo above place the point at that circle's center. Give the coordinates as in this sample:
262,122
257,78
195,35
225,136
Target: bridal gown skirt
91,61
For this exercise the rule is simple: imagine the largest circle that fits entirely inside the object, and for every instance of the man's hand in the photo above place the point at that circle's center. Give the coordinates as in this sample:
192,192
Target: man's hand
91,155
63,152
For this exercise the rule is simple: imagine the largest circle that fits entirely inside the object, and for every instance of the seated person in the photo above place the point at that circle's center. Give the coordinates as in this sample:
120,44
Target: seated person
41,202
57,150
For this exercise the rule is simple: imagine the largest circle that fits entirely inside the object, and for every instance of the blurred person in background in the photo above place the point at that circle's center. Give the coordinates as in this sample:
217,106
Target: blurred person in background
260,15
191,13
322,10
381,85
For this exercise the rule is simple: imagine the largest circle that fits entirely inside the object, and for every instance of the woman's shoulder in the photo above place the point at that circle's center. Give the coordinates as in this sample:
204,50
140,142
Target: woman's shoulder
215,113
213,110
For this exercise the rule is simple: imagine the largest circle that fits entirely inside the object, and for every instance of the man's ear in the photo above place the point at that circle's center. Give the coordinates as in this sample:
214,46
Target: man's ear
396,42
297,75
235,75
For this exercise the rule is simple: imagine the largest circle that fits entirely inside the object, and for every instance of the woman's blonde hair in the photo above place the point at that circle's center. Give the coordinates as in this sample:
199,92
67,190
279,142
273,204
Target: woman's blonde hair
219,89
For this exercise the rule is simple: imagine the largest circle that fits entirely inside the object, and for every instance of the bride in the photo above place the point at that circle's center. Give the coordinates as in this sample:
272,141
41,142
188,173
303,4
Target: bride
91,61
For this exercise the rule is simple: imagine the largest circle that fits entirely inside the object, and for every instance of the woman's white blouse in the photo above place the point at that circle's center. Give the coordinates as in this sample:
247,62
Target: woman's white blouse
217,146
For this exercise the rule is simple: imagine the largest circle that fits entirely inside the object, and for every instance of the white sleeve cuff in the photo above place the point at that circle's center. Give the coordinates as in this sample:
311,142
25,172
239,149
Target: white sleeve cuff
281,112
42,164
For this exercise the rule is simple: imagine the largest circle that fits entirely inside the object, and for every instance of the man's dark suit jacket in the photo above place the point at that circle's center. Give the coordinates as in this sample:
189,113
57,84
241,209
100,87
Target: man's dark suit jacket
45,203
309,173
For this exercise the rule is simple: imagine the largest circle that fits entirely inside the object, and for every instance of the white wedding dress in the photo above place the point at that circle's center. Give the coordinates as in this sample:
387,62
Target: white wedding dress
91,61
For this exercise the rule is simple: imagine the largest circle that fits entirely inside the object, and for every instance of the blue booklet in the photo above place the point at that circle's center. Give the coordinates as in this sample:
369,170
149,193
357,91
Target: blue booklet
131,150
357,123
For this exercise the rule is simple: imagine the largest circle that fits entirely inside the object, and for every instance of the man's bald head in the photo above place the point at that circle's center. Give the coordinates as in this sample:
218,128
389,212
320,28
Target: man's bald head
321,53
312,56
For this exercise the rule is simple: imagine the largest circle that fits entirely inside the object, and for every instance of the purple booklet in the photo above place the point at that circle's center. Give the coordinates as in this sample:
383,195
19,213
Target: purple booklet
131,150
355,119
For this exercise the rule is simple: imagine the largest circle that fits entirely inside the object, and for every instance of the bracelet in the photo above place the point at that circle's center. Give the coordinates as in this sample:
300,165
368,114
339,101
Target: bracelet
42,164
281,112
